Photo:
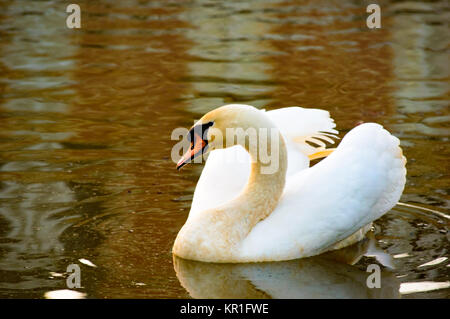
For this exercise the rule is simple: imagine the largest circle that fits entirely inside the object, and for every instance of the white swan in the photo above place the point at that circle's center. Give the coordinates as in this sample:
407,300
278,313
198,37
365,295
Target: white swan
241,214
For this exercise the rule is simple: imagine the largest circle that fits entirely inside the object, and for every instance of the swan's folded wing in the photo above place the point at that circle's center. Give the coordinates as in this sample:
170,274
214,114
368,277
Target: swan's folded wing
358,183
302,125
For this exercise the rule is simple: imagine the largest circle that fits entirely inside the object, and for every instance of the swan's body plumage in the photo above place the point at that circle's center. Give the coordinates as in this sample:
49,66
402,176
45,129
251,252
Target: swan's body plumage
327,206
330,201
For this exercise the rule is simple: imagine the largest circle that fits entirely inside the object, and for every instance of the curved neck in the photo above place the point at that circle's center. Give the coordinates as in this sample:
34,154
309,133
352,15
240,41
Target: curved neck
267,176
233,221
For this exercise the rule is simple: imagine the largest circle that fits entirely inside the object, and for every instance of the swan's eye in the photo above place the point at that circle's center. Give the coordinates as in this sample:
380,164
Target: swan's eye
200,130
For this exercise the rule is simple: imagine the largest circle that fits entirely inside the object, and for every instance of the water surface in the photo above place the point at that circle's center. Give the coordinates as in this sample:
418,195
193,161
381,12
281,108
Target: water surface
86,117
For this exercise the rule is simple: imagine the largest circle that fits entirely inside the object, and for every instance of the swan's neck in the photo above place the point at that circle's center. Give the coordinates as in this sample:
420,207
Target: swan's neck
215,234
264,187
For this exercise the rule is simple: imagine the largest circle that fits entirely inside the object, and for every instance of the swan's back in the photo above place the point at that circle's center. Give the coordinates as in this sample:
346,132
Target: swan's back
355,185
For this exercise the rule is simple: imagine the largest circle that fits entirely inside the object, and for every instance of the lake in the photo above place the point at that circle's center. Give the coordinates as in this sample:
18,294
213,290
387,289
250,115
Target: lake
86,117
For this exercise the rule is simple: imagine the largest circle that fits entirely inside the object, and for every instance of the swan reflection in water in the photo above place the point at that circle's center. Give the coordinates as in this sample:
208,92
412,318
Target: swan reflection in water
331,275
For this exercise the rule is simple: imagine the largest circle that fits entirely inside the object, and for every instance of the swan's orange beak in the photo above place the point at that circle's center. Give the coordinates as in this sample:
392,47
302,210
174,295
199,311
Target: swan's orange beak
197,148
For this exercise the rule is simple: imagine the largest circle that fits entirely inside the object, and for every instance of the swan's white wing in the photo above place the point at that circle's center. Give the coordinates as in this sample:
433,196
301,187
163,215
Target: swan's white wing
356,184
227,170
302,125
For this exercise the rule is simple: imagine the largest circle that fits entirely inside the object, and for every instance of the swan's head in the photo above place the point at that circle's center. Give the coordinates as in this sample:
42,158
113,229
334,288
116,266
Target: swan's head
209,133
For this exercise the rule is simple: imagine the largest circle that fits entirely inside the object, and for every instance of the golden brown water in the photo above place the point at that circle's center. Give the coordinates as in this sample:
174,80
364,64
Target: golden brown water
86,117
